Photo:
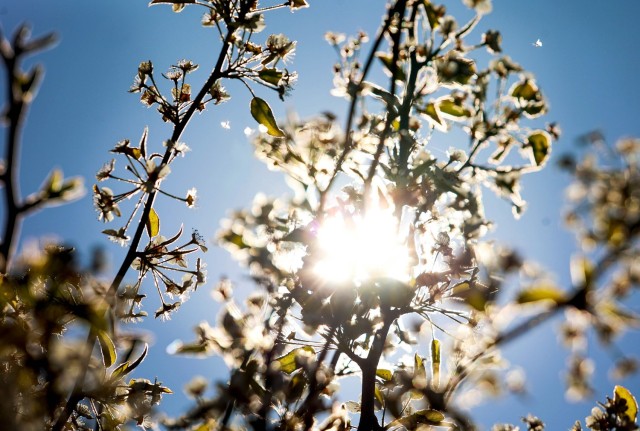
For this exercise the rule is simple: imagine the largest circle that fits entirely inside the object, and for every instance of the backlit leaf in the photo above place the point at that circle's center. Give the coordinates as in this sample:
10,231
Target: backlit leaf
433,115
431,416
235,239
190,349
542,292
540,144
418,366
411,422
107,347
124,369
387,61
272,76
622,393
210,425
261,112
419,375
449,107
435,360
53,184
525,90
434,13
288,362
384,374
152,223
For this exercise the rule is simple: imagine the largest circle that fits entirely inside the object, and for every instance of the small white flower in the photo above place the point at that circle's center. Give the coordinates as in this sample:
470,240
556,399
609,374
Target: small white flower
225,125
190,200
537,43
482,7
248,131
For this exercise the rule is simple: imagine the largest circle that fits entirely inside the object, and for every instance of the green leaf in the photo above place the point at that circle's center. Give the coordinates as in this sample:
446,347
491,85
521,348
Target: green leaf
288,362
272,76
542,292
540,144
433,115
387,61
434,13
261,112
190,349
449,107
529,98
431,416
235,239
435,360
411,422
418,365
124,369
525,90
385,375
107,347
53,184
631,410
152,223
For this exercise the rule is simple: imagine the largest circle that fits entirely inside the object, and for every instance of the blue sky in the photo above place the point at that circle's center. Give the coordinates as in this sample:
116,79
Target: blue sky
588,68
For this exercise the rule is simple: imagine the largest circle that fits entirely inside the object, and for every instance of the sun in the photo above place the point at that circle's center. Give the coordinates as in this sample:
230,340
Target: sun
358,247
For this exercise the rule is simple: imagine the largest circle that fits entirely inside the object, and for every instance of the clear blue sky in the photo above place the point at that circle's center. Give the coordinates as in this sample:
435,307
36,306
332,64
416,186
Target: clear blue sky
588,67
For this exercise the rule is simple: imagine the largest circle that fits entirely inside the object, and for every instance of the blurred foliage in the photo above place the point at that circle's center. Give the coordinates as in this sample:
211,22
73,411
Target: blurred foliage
374,269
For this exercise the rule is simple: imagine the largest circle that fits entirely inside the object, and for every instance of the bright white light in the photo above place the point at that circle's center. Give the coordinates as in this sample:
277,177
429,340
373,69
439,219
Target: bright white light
359,248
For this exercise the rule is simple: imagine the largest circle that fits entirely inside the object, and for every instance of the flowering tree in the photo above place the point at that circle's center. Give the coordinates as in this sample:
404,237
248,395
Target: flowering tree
381,245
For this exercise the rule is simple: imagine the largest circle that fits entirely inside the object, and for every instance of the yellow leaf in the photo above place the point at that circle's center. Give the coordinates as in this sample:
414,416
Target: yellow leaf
152,223
631,410
435,360
385,375
449,107
433,115
542,292
431,416
410,422
107,347
288,361
378,395
418,364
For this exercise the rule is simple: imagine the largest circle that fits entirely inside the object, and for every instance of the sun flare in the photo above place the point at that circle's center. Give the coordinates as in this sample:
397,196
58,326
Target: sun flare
361,247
